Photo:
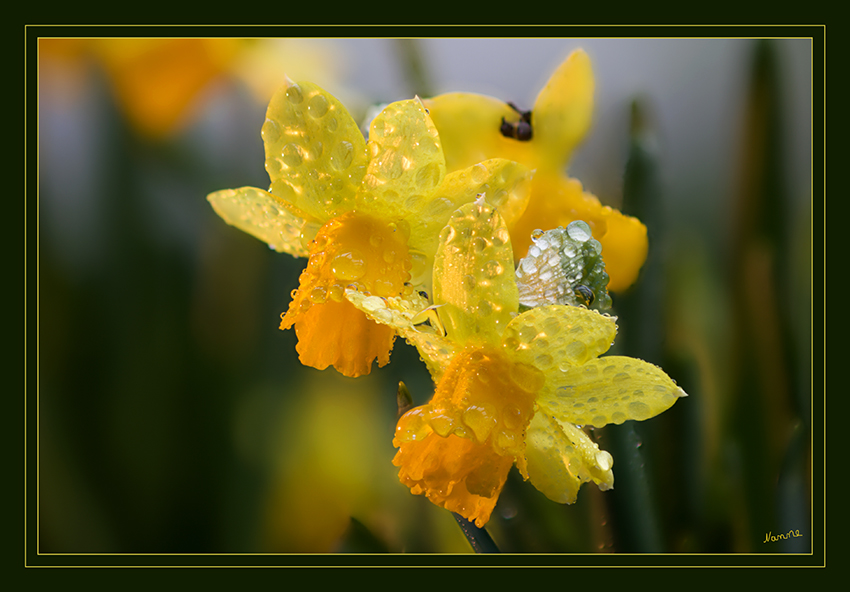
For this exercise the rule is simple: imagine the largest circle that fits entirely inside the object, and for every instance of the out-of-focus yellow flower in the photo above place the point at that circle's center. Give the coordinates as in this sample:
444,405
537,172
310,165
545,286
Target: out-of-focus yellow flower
474,127
159,83
511,389
157,80
367,215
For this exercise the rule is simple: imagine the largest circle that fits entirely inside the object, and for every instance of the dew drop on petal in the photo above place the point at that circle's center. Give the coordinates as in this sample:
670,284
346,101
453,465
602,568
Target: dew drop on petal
294,94
349,266
318,106
579,231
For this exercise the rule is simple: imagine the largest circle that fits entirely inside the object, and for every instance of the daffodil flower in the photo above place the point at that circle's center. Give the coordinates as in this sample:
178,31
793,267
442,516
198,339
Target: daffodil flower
511,388
472,128
366,214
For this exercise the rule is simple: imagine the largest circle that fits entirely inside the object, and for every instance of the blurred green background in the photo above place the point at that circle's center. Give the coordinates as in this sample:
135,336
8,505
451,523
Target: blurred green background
174,416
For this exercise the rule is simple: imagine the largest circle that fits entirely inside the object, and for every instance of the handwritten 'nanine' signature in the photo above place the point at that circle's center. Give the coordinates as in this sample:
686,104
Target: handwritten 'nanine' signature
772,538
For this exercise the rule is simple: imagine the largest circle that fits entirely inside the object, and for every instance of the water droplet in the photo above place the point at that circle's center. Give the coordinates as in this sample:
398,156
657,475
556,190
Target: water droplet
639,410
543,361
418,266
428,176
480,173
292,155
318,106
442,424
604,460
501,236
315,150
577,351
336,293
527,377
342,156
493,268
536,234
294,94
349,265
318,295
579,231
270,131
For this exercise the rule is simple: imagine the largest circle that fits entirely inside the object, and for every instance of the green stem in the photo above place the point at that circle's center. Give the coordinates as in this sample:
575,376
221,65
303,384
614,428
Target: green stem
479,538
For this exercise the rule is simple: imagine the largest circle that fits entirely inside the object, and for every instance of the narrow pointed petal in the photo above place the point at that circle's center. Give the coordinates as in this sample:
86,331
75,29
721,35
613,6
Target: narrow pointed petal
606,390
559,458
563,110
263,216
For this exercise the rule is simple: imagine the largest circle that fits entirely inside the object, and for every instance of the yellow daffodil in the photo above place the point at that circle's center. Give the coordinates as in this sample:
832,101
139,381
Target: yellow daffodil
474,127
511,388
368,215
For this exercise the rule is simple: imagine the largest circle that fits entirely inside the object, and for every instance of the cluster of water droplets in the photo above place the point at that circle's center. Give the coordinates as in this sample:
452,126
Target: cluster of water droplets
355,252
262,216
613,390
486,398
309,158
564,266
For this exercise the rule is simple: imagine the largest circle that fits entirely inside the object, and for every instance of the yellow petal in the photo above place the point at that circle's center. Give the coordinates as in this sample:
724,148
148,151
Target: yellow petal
562,112
315,153
469,126
263,216
503,184
406,161
606,390
157,80
556,338
474,275
557,201
560,457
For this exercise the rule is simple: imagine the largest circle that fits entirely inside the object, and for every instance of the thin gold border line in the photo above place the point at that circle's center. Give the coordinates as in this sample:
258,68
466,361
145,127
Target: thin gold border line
38,489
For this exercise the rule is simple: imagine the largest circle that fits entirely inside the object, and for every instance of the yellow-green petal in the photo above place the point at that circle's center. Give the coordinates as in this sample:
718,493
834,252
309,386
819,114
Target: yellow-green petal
563,110
408,315
398,312
474,275
607,390
315,153
560,457
557,337
503,183
406,161
262,215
